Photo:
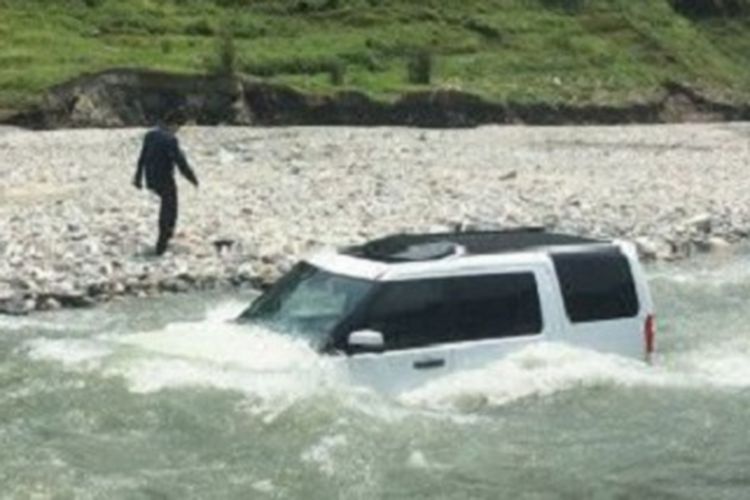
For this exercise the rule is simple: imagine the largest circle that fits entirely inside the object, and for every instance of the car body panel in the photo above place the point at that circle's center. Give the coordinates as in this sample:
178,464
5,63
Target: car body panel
401,370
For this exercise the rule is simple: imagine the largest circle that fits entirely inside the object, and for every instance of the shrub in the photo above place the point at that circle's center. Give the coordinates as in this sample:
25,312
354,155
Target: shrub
710,8
296,66
224,60
227,53
569,6
166,46
200,28
117,20
483,28
420,67
337,72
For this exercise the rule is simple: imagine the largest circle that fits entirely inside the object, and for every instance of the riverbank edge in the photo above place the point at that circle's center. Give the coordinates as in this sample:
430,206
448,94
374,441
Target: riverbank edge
119,98
23,302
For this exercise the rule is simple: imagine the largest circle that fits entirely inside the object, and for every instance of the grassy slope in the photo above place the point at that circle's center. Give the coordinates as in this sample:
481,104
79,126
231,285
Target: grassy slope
606,51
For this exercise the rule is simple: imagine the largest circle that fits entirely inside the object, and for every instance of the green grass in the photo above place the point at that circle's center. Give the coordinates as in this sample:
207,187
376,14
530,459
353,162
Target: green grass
573,51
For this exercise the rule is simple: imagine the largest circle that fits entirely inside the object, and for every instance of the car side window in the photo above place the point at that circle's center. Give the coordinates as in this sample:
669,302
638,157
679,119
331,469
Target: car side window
424,312
493,306
407,314
596,286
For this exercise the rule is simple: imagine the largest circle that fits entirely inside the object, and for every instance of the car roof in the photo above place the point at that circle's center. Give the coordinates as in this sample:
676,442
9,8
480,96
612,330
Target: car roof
409,256
432,246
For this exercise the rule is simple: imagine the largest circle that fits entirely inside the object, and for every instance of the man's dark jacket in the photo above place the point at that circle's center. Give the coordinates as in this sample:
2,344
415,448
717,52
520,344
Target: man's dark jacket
160,153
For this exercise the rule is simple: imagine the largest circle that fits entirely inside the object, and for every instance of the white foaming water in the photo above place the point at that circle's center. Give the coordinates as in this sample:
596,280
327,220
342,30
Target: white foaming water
725,364
73,353
274,370
35,323
211,353
534,371
324,452
713,271
550,368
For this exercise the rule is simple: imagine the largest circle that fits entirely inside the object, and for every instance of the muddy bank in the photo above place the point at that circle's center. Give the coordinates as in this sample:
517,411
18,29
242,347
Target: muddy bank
128,98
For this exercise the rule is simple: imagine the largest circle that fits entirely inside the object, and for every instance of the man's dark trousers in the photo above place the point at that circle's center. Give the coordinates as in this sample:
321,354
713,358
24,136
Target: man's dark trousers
167,215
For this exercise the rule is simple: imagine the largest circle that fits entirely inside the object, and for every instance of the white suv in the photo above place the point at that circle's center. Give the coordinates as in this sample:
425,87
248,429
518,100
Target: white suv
406,308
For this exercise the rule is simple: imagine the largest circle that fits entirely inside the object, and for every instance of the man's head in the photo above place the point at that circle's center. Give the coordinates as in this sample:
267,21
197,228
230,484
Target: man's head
174,120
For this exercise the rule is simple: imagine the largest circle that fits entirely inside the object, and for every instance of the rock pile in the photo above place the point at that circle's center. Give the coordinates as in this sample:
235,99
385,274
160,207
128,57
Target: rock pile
74,231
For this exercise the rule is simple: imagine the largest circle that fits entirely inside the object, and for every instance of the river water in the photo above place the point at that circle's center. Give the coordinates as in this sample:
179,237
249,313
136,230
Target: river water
162,399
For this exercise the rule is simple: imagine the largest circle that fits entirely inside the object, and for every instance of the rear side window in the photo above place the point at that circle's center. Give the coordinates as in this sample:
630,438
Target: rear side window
433,311
596,286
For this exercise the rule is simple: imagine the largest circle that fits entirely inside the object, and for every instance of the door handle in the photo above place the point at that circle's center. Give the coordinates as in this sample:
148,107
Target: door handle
427,364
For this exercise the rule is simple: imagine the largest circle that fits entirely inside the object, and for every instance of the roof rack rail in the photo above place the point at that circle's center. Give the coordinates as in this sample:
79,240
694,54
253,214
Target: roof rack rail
406,247
509,230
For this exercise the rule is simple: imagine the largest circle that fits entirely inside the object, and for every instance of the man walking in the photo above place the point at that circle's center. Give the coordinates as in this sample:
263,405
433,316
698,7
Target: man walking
160,152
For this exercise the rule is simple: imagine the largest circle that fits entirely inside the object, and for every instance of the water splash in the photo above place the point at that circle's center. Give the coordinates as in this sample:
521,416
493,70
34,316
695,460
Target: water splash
72,353
213,353
548,368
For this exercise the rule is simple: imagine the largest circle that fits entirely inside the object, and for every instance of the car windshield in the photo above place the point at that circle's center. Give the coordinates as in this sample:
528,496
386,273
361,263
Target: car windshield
308,302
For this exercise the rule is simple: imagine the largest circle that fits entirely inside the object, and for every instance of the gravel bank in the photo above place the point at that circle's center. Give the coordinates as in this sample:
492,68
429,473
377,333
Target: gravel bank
73,230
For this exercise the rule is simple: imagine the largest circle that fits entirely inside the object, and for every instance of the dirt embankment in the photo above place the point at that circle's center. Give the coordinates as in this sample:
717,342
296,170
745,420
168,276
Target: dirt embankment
125,98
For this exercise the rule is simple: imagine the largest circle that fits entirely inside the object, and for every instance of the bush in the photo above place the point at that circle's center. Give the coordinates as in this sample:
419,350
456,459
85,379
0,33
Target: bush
420,67
166,46
486,30
710,8
117,21
224,60
337,72
200,28
569,6
296,66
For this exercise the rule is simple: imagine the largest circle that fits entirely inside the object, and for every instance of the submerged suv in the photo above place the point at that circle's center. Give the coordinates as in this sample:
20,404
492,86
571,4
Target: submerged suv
406,308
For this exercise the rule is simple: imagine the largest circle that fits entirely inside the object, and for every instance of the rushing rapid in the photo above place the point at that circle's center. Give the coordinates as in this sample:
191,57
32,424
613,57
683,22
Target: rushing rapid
169,398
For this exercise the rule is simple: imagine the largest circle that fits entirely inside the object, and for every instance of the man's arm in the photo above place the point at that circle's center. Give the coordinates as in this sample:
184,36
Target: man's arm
137,180
179,158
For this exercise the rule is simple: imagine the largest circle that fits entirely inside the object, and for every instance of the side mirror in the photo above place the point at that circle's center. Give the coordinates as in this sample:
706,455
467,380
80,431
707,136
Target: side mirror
366,341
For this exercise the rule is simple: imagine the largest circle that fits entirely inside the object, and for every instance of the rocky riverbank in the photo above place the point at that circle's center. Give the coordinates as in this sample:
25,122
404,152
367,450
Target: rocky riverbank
74,231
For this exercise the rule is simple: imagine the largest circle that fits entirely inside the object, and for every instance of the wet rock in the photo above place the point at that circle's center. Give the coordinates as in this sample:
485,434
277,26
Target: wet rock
6,293
716,244
74,299
648,249
18,305
654,248
701,223
246,271
49,304
267,274
174,285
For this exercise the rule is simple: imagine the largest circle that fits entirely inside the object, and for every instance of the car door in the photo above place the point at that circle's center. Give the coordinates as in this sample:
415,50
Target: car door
498,313
397,371
417,341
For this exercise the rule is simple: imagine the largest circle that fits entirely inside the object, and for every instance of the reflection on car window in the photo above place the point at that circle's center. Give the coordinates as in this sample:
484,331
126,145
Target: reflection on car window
431,311
308,302
596,286
319,295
